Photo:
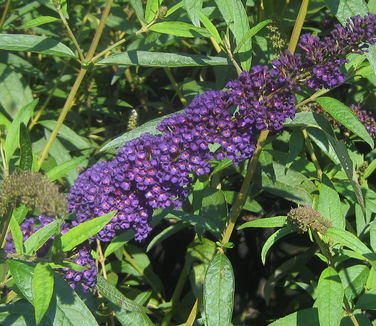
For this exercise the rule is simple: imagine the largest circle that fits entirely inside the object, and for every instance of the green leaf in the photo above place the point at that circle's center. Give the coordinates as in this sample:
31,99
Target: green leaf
22,274
347,239
41,20
116,297
68,134
163,59
218,292
252,32
19,313
347,165
62,169
210,27
344,9
193,8
119,241
62,312
40,237
273,239
306,317
166,233
367,301
43,288
329,300
138,9
26,159
266,222
296,193
236,19
84,231
148,127
199,222
34,43
178,28
152,7
354,279
16,235
372,235
250,204
14,91
346,117
13,135
329,205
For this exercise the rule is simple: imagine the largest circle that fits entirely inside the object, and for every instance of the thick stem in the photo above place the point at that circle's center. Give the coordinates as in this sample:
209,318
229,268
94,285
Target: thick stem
298,26
242,195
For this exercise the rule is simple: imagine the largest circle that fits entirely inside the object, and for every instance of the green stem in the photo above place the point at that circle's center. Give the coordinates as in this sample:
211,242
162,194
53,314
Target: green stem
176,295
4,225
134,264
175,85
67,106
242,195
298,26
99,31
70,33
312,154
313,97
48,99
5,13
72,94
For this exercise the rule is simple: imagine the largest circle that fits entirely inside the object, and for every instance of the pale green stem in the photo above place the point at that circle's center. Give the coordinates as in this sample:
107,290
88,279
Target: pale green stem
70,33
134,264
242,195
5,13
298,26
175,85
70,99
176,295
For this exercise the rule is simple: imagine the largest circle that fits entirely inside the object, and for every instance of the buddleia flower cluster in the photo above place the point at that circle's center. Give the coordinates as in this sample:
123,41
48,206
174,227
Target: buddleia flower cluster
318,64
156,171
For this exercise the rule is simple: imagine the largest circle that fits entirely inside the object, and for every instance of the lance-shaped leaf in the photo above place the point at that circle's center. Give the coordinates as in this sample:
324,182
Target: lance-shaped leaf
329,300
219,291
34,43
346,117
84,231
273,239
26,159
43,288
269,222
163,59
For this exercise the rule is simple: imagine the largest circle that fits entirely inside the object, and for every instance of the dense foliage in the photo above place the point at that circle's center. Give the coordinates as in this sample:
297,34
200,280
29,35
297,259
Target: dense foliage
193,162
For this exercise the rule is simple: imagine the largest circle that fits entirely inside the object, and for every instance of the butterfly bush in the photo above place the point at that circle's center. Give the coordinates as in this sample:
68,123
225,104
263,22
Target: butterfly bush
156,171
